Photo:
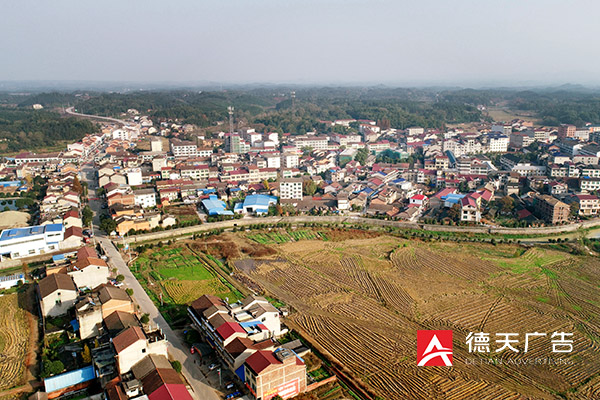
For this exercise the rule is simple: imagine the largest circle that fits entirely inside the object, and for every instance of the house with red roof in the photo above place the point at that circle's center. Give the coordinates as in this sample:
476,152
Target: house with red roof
469,210
419,200
271,373
588,204
229,331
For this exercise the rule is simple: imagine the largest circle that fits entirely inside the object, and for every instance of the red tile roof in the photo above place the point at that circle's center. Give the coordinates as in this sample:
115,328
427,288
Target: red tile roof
261,360
228,329
170,392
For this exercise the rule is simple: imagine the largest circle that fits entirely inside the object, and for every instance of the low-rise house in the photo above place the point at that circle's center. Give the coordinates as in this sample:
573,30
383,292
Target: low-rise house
89,272
588,204
133,344
57,293
268,374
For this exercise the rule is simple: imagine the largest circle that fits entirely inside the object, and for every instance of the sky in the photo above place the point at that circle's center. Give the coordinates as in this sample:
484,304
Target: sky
397,42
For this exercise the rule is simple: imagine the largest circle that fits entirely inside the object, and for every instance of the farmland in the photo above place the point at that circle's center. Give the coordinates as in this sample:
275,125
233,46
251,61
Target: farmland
14,335
180,275
361,301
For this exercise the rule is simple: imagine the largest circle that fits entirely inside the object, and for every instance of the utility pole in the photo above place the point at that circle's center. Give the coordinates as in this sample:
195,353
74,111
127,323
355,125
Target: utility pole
230,111
293,95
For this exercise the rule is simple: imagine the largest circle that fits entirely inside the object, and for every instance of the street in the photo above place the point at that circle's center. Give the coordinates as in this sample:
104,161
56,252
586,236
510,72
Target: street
178,349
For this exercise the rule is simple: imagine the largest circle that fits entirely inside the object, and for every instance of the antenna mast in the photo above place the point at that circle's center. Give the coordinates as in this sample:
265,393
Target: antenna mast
230,110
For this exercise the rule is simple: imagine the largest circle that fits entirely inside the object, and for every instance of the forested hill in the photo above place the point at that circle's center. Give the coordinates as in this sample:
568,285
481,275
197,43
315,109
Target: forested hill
27,129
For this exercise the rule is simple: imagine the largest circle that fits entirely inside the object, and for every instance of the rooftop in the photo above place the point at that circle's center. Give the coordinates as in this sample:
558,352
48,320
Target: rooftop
15,233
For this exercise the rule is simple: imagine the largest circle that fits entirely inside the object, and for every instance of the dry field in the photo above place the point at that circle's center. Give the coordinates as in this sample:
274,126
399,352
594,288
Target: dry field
363,300
13,219
14,335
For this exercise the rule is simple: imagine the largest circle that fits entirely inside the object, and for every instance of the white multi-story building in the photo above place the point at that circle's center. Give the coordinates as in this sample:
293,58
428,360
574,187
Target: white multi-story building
527,169
273,160
145,198
197,172
291,188
182,148
314,142
289,160
590,184
134,176
31,241
497,143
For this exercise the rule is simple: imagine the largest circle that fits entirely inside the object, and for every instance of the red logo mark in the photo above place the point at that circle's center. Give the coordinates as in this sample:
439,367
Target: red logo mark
434,348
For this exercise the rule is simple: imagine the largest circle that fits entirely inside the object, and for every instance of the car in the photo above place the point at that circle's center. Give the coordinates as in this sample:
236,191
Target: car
212,367
234,394
229,385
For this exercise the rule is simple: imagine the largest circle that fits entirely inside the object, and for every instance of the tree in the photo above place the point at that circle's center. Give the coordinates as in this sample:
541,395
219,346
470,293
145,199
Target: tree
463,187
454,212
309,187
361,155
507,204
52,368
107,224
129,291
145,319
176,366
120,278
77,186
266,185
87,215
86,354
574,206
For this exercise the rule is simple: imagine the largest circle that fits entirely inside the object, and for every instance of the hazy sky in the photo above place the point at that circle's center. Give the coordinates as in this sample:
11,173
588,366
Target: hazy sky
284,41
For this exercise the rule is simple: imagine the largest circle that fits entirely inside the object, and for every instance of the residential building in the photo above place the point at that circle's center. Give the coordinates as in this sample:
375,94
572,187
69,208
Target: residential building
270,373
183,148
566,131
551,209
290,188
588,204
57,294
133,344
145,198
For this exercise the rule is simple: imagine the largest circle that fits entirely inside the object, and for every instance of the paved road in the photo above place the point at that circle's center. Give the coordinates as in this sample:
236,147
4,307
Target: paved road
178,349
71,111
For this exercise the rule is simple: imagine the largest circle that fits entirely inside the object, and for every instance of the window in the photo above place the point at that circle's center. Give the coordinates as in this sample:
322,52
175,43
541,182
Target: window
31,251
143,350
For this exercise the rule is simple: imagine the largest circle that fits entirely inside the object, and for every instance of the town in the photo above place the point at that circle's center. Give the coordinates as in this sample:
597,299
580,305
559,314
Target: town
103,335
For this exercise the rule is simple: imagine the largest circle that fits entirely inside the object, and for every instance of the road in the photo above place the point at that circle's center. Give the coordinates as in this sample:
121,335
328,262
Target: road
177,348
71,111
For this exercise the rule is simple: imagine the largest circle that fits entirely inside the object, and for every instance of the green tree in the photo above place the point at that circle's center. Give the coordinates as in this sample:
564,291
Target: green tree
107,224
176,366
129,291
52,368
145,319
361,155
87,215
309,187
120,278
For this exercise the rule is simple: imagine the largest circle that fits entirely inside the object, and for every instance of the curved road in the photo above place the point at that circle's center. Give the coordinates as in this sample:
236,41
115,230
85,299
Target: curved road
71,111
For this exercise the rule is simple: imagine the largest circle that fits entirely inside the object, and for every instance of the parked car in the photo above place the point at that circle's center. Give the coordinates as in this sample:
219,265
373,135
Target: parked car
212,366
234,394
229,385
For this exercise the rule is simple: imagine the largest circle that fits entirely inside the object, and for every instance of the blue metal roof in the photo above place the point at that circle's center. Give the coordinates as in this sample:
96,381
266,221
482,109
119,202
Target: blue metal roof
259,200
54,227
16,233
214,206
10,183
70,378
